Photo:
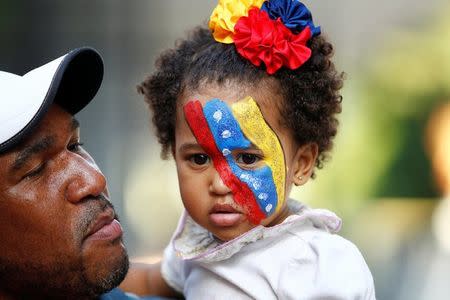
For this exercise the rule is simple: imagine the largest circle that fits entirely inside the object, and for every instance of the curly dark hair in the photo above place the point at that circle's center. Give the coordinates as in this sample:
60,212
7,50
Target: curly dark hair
311,93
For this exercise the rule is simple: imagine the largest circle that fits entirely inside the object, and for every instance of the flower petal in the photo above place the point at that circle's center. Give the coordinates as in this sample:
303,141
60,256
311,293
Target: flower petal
259,39
224,17
294,15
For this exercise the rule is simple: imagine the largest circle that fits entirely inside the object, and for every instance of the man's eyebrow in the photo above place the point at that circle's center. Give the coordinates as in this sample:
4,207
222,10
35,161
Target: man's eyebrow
31,150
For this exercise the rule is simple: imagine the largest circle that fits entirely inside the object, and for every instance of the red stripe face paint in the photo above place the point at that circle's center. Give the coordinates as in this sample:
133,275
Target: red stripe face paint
242,194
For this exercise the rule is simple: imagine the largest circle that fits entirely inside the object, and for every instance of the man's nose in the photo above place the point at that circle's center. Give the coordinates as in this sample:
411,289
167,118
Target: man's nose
217,186
86,179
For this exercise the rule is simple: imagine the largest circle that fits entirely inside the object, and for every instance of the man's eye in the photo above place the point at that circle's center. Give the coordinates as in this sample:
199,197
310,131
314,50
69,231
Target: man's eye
247,158
74,147
36,171
199,159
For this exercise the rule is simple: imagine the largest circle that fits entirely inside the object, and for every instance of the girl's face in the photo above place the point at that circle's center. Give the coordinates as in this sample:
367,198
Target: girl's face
235,161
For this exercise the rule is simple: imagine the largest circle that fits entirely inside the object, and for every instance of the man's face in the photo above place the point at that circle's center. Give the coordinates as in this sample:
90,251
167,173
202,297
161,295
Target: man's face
58,231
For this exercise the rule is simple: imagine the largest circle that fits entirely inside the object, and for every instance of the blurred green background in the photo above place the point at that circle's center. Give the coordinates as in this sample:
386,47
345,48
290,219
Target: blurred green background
379,179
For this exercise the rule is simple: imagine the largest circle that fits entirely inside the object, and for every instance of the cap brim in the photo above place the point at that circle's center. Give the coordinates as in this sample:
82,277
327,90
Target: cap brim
70,81
81,74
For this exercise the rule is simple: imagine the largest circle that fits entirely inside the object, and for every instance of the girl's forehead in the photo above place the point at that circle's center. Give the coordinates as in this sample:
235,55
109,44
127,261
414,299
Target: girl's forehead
267,100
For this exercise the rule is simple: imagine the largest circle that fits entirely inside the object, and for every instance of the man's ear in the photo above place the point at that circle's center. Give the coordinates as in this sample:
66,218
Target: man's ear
305,162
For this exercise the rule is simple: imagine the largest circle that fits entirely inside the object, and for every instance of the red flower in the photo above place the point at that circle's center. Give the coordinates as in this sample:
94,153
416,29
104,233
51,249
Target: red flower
261,39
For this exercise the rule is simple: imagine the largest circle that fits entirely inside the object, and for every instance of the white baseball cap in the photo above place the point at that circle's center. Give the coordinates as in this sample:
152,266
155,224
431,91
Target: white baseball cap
71,81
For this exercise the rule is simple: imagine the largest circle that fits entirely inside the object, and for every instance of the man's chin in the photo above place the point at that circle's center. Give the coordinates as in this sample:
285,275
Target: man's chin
66,277
106,268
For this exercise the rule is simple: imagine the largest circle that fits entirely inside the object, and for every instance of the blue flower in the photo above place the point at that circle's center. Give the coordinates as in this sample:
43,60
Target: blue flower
294,15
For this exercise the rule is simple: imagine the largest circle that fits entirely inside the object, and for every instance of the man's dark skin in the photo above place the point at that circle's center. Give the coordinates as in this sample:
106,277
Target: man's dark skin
53,200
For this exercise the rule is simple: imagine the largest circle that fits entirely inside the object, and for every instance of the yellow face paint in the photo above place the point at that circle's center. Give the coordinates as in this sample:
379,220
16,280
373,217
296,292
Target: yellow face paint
256,129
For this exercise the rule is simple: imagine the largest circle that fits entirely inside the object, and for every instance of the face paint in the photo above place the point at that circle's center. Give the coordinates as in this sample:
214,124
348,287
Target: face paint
261,190
242,195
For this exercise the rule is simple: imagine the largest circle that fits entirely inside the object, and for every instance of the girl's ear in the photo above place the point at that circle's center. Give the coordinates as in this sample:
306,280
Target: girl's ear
305,162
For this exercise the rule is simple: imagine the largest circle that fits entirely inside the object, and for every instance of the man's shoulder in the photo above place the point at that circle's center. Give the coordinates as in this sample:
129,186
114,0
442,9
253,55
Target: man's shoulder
118,294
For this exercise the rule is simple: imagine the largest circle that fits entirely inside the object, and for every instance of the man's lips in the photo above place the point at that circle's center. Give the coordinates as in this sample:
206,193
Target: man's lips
105,227
224,215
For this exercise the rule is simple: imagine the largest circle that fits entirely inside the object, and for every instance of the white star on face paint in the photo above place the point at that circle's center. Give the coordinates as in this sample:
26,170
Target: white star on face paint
226,152
256,183
263,196
268,207
226,134
245,176
217,115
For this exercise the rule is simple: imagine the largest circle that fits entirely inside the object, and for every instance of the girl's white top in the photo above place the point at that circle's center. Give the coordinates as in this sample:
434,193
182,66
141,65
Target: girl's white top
301,258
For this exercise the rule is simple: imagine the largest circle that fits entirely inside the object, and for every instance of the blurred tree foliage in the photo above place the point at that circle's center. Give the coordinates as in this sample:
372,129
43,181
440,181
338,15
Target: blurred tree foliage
404,83
379,150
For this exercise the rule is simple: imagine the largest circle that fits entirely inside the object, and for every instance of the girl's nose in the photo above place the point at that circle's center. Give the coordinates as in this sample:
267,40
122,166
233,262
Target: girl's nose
217,186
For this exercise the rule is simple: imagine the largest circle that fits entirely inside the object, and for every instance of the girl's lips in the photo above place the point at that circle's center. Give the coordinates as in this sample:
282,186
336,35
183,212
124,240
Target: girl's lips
224,219
224,215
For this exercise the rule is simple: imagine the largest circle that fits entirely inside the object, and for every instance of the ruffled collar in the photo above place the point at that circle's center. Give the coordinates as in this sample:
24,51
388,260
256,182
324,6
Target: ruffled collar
193,242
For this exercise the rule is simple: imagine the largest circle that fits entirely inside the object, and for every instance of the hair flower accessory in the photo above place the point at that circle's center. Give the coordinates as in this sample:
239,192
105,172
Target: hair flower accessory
225,15
273,32
294,15
260,39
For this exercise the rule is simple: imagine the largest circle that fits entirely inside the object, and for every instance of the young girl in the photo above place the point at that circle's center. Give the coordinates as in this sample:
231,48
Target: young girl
247,109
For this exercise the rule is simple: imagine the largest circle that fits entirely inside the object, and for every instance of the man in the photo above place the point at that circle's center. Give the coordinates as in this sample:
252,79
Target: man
60,237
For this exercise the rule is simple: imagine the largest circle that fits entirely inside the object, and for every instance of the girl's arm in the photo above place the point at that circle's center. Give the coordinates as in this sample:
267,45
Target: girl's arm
146,279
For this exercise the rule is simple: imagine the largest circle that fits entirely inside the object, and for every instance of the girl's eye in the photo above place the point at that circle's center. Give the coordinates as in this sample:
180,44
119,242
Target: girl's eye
247,158
199,159
75,147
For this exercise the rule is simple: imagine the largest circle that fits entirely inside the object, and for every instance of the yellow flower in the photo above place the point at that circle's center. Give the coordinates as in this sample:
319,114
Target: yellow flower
225,16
